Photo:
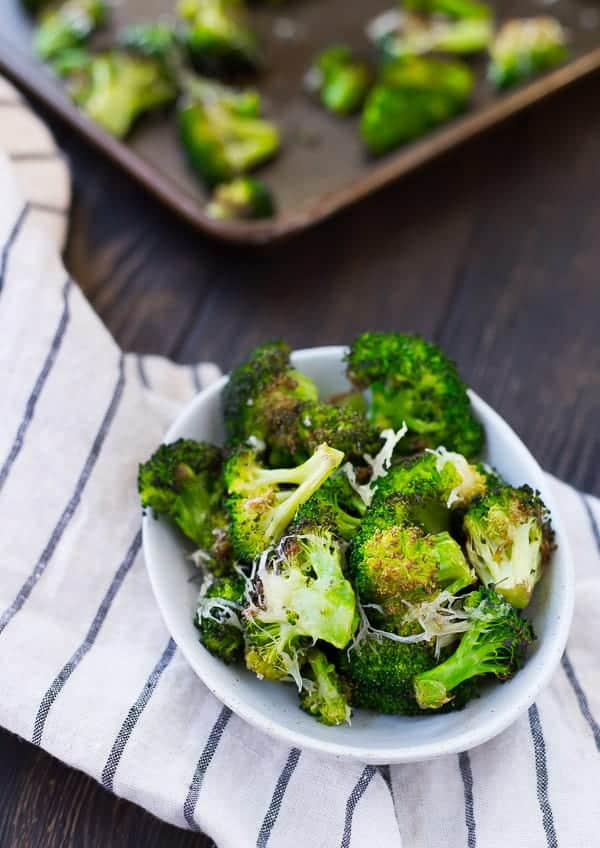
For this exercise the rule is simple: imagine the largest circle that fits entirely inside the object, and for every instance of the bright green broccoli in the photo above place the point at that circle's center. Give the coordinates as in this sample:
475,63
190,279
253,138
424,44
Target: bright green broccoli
300,595
418,37
263,395
335,505
526,46
412,382
508,540
155,38
443,475
495,644
322,692
396,564
219,618
68,25
379,673
115,88
454,9
411,97
217,36
222,132
244,198
183,481
341,80
263,501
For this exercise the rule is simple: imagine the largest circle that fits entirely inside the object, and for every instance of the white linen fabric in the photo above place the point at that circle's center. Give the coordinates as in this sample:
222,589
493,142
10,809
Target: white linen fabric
87,669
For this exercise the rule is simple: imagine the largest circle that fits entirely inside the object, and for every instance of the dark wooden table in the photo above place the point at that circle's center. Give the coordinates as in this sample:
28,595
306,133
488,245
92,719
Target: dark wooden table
494,252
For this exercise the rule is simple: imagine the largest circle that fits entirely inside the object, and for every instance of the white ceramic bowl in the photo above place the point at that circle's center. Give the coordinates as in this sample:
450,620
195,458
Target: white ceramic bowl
371,738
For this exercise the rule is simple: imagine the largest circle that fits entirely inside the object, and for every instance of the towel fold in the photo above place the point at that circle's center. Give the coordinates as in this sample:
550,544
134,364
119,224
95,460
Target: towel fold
87,669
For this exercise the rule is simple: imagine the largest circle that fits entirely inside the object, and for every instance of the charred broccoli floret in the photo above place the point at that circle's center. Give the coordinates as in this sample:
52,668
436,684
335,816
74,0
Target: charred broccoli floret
263,501
217,36
419,36
300,595
396,564
495,643
380,673
508,539
68,25
244,198
219,618
411,381
443,475
335,506
263,395
222,132
115,88
322,692
524,47
454,9
411,97
341,80
183,481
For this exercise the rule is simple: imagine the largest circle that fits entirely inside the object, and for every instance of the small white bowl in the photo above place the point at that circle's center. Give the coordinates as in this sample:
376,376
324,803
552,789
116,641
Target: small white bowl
273,707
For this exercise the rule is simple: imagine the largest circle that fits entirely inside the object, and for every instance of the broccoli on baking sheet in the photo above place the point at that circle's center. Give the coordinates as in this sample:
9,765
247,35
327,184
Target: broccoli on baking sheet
222,132
419,36
68,25
217,36
454,9
341,80
244,198
526,46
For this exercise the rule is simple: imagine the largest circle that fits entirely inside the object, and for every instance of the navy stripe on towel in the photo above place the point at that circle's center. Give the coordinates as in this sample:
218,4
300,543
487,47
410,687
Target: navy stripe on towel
70,666
464,764
355,796
35,156
141,367
39,385
63,522
541,772
114,758
9,243
208,752
593,522
277,799
581,698
196,378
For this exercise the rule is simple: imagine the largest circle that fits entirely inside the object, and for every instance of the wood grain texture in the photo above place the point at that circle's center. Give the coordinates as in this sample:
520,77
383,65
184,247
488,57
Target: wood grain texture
494,251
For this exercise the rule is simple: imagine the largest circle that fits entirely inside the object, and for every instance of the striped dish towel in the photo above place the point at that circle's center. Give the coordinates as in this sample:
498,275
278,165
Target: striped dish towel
87,670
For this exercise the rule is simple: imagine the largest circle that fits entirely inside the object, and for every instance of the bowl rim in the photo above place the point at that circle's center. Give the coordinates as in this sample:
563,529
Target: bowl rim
465,739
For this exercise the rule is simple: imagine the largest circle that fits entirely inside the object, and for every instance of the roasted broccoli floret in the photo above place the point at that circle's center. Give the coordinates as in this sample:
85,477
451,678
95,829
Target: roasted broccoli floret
442,475
335,505
222,132
412,382
526,46
115,88
300,595
396,564
413,96
263,395
263,501
244,198
219,618
217,36
419,36
455,9
183,481
322,692
379,673
155,38
68,25
508,539
341,80
495,643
